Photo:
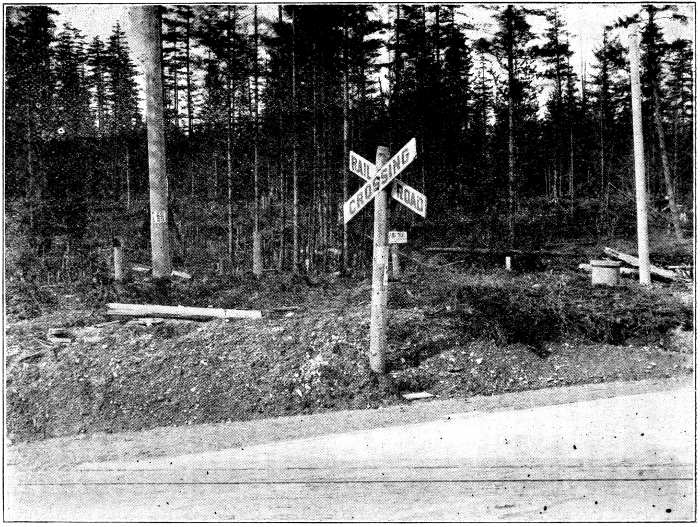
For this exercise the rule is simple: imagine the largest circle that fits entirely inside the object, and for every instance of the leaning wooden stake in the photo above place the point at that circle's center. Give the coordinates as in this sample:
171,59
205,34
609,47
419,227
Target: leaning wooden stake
395,263
639,173
380,260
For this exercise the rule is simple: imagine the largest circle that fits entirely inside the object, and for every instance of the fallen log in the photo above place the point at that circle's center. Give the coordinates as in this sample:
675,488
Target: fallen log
633,260
175,273
196,313
500,252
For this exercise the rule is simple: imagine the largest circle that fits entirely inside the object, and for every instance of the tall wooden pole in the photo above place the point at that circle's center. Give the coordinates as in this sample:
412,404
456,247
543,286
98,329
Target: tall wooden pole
150,26
380,261
295,182
257,242
639,173
346,129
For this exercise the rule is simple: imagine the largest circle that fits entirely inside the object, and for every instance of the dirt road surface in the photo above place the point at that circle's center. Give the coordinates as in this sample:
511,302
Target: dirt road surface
627,457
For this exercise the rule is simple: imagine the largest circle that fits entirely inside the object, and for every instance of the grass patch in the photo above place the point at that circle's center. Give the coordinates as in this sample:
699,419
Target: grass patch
544,307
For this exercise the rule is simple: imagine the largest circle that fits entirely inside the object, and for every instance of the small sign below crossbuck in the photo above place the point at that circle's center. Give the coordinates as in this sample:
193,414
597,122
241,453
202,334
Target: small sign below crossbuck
397,237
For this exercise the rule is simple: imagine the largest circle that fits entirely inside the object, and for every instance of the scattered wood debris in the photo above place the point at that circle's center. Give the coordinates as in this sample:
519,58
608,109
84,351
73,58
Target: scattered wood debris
30,356
684,272
60,336
625,271
634,261
149,321
196,313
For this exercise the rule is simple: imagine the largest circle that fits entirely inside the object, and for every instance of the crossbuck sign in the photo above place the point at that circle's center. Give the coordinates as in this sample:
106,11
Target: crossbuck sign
375,182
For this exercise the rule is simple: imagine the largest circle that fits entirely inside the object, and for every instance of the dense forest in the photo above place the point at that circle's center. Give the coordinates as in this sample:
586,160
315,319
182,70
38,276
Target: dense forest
515,148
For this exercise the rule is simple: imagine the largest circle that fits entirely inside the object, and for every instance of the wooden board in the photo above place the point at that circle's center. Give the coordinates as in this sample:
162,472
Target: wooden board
633,260
152,310
409,197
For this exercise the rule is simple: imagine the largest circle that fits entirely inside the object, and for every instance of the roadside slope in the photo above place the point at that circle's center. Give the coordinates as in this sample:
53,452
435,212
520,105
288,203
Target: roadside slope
67,452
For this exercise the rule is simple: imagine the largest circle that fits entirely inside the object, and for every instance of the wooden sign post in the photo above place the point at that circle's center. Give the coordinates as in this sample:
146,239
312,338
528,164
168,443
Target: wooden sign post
380,260
377,177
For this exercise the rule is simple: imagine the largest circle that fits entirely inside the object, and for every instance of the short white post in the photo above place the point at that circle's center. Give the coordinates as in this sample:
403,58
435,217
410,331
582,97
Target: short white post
257,254
118,252
639,173
508,263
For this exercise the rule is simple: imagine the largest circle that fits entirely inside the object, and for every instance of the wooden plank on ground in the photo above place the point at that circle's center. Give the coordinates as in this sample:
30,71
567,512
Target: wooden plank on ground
625,271
633,260
152,310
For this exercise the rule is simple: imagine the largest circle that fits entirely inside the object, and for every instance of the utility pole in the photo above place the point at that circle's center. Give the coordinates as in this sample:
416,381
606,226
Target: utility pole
639,172
150,26
380,261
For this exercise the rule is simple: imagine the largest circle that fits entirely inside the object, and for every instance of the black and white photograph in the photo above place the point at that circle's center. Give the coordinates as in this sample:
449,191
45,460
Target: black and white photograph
343,262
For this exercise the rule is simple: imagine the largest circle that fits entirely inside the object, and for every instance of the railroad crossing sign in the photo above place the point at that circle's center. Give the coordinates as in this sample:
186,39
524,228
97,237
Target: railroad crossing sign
400,191
377,177
376,182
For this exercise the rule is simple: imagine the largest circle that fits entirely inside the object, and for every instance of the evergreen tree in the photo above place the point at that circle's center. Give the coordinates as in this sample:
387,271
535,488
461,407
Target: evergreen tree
511,46
124,116
74,116
29,103
97,82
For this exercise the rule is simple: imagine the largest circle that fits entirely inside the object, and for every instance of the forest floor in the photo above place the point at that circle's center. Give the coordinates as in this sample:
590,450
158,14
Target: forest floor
452,332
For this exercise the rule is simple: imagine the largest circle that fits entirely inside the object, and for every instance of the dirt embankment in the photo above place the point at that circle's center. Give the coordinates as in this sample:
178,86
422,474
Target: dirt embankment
452,334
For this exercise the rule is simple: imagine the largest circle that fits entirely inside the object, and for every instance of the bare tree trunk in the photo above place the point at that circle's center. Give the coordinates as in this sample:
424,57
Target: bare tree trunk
128,180
670,191
511,141
188,25
229,168
280,173
257,245
160,239
346,149
295,182
31,177
571,168
570,88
